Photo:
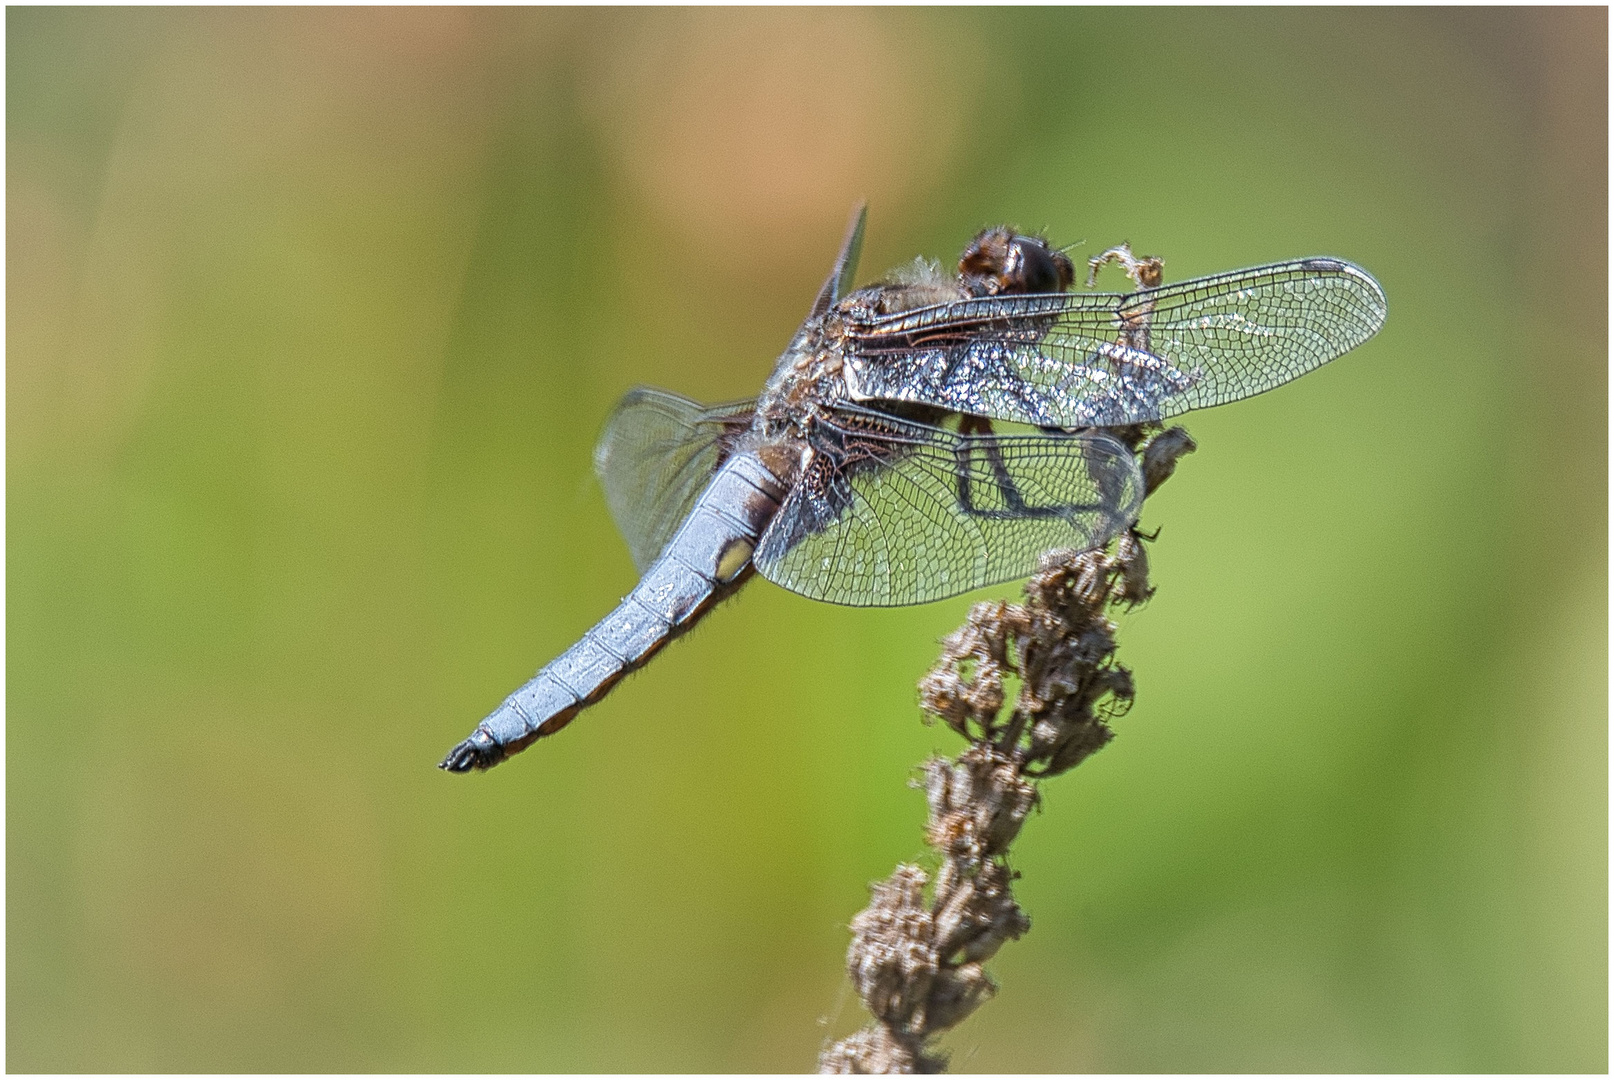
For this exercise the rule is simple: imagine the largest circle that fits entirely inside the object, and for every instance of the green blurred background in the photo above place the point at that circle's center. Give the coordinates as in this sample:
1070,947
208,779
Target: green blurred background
314,315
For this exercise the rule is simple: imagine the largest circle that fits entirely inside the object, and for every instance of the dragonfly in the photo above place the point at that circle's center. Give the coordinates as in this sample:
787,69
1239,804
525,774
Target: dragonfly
924,436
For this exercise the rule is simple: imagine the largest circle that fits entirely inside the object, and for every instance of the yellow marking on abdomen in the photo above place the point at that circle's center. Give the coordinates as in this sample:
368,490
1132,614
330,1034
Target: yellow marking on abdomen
733,559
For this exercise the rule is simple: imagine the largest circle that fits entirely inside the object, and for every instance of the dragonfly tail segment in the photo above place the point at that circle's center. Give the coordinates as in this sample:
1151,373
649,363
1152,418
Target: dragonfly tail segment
705,562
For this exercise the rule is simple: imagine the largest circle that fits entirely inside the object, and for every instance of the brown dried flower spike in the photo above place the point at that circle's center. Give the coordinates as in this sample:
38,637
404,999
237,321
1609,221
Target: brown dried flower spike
916,961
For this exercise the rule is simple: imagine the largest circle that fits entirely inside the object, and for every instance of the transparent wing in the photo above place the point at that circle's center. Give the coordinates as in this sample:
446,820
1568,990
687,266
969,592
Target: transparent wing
845,268
656,454
1104,359
891,512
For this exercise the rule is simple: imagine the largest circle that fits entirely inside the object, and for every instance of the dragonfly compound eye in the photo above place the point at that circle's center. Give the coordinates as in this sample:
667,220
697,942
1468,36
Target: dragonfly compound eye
1042,269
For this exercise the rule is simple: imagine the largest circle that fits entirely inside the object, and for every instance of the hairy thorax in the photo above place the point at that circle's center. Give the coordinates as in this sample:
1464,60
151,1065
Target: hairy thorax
812,375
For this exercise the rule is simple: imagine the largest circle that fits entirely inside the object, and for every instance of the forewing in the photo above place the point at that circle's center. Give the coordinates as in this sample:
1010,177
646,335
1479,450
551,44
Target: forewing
845,268
656,454
1105,359
890,512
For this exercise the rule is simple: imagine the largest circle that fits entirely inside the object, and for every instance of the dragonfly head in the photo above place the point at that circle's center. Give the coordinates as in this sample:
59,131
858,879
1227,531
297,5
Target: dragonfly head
1000,260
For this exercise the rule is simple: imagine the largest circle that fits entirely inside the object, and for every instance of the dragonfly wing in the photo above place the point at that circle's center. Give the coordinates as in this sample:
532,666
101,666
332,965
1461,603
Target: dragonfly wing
655,456
845,268
1106,359
890,512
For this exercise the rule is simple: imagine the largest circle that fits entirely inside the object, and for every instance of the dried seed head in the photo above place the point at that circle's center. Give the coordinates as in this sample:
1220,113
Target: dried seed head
878,1050
891,959
1133,561
916,959
1161,455
959,992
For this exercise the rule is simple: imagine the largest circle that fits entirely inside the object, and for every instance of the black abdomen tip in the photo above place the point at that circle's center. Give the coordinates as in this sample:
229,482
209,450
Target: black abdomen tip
477,752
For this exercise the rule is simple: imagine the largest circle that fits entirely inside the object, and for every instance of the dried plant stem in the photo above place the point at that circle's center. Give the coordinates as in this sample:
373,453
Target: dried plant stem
918,948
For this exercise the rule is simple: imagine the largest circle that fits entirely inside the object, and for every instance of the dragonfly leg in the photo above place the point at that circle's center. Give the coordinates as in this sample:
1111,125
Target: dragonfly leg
1145,271
1015,506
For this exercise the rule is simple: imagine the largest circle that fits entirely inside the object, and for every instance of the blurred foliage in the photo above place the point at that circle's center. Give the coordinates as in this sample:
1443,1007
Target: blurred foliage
312,318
